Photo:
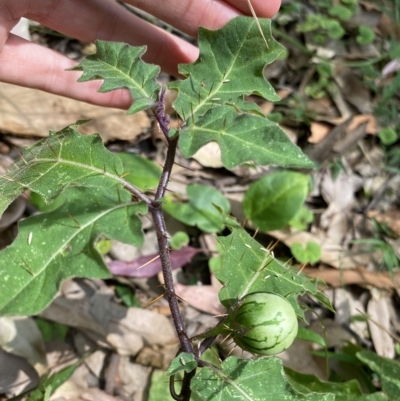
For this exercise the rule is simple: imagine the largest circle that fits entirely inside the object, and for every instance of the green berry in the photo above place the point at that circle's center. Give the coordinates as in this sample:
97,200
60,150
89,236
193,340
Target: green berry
264,323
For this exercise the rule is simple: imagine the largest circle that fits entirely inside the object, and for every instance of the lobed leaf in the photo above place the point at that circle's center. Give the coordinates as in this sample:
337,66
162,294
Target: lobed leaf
230,65
54,246
65,157
248,267
260,379
121,66
242,138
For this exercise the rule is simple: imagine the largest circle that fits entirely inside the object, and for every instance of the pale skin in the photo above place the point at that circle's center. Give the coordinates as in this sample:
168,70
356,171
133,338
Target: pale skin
27,64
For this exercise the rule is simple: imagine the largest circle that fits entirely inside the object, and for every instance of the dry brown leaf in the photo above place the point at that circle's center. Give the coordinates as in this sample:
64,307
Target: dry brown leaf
352,88
318,131
379,325
347,304
322,107
95,394
201,297
134,380
267,107
30,112
209,155
334,333
360,276
12,213
21,336
108,323
359,119
388,27
299,358
16,374
391,218
161,360
69,391
332,254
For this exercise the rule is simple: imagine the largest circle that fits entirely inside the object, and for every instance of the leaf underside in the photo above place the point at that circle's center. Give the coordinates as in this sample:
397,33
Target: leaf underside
63,158
121,67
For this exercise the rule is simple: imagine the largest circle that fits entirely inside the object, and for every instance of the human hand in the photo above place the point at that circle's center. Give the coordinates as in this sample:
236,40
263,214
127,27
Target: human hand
27,64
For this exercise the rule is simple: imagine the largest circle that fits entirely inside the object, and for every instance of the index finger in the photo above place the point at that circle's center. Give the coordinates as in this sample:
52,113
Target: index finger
188,15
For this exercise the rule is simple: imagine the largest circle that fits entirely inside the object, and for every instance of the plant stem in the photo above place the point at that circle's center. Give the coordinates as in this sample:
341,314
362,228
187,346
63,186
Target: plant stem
161,230
162,239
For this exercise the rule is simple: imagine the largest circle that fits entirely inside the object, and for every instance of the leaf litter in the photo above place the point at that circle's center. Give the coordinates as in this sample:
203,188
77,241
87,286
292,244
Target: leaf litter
336,117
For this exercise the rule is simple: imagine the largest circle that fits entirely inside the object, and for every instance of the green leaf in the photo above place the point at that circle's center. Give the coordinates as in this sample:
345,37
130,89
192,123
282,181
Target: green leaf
248,267
311,253
127,296
366,35
49,384
308,335
60,244
369,397
184,361
388,136
179,240
242,138
65,157
341,12
262,379
302,218
140,172
230,65
121,66
200,210
333,27
103,246
388,371
271,202
51,330
305,384
41,205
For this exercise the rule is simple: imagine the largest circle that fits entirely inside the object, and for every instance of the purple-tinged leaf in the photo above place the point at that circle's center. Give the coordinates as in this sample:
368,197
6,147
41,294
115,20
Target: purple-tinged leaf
179,258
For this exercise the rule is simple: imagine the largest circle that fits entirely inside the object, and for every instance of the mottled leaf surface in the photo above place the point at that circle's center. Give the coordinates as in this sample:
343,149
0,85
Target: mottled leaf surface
260,379
230,65
248,267
54,246
121,66
65,157
242,138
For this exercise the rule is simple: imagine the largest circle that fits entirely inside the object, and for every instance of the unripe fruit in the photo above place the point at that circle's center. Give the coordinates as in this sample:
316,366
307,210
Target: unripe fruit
263,323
